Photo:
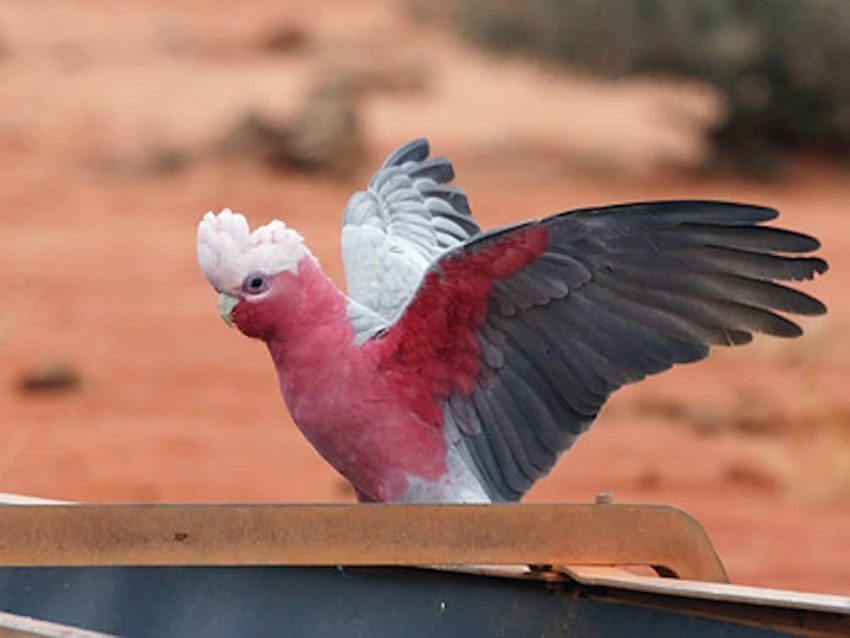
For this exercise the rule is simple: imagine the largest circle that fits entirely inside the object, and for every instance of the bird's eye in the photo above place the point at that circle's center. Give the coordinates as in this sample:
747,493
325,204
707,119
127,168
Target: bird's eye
255,283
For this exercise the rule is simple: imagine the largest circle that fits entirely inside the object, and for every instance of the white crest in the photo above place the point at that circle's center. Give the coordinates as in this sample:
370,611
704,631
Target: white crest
228,251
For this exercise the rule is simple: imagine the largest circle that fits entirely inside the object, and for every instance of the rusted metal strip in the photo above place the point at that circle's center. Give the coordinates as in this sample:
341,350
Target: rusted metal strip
14,626
77,535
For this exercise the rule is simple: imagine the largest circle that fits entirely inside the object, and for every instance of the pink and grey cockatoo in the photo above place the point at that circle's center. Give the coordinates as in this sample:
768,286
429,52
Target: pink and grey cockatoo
463,363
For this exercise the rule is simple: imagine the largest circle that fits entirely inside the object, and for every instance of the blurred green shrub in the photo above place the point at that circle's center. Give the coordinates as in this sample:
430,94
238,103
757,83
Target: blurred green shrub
783,65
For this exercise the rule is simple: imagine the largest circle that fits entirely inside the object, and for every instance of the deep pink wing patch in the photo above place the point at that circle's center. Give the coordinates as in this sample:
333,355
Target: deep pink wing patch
432,351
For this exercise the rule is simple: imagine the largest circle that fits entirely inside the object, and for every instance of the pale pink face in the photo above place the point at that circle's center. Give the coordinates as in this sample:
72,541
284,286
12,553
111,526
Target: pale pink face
252,271
262,306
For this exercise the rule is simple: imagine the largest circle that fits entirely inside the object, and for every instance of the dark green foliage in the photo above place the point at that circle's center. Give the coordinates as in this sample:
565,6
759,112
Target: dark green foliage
783,65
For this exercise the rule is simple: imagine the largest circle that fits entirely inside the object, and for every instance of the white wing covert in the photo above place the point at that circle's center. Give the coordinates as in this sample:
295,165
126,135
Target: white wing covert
395,229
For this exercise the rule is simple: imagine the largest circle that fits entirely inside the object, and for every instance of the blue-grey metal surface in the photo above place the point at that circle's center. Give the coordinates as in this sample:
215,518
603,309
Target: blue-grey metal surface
318,601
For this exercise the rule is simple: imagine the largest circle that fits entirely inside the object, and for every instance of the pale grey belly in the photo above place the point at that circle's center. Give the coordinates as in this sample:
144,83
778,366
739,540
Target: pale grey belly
458,485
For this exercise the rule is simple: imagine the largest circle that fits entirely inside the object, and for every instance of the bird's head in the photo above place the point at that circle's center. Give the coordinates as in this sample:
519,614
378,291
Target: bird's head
252,271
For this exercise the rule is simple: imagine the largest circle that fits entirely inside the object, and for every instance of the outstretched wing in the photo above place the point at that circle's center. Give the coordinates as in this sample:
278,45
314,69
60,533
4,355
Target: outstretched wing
521,334
395,229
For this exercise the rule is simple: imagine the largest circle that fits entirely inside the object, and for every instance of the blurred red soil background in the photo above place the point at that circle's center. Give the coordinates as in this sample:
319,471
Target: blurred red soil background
120,126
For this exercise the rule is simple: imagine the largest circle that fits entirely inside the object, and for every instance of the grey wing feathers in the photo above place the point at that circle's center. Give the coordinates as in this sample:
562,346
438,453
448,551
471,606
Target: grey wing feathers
396,228
620,293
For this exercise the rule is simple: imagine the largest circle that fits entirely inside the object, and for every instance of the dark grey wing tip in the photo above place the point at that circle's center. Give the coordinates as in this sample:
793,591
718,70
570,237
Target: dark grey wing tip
794,241
694,209
705,211
808,244
439,169
414,151
782,327
749,237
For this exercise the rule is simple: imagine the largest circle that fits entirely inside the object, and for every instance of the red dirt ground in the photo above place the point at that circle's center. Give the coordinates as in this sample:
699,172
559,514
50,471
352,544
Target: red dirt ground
98,269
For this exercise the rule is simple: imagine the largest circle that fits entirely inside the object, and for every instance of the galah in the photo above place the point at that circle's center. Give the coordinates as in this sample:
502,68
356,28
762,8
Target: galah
462,363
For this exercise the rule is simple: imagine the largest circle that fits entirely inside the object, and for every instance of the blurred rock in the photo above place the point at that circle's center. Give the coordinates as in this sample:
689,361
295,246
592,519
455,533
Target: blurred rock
155,161
51,377
747,474
649,479
403,75
325,135
258,136
285,39
755,416
166,160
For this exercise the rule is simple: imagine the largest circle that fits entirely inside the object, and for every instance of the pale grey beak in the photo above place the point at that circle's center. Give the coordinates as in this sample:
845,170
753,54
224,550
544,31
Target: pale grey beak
226,303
